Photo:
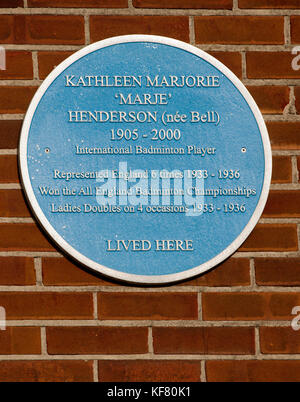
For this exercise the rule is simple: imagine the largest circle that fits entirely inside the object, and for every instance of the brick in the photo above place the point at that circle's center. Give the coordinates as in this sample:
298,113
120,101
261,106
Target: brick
232,60
280,340
233,306
14,100
148,370
17,271
62,29
277,271
46,305
270,99
106,26
22,236
284,135
276,65
20,341
282,169
207,340
297,100
282,204
12,204
253,371
42,29
11,3
249,306
18,66
9,133
295,28
49,60
62,272
8,169
273,237
78,3
46,371
155,306
232,272
97,340
269,4
239,30
210,4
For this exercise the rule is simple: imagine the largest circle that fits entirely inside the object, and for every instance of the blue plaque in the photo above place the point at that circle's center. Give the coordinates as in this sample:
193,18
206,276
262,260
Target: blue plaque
145,159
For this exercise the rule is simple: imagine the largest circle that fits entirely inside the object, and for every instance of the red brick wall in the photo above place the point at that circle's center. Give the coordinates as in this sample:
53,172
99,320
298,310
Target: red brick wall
234,323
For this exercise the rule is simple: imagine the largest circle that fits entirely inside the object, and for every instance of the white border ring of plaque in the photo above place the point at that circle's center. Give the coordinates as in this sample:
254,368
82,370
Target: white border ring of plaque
58,238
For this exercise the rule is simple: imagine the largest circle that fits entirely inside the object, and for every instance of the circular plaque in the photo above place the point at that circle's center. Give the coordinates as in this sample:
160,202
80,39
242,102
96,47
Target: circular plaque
145,159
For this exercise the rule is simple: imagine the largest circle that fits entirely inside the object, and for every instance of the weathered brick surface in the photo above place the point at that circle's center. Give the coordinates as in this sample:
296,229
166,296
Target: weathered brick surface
15,99
47,306
218,4
100,340
17,271
279,340
232,272
253,371
64,311
49,60
20,341
18,66
272,237
147,370
155,306
277,271
269,4
62,272
249,306
42,29
295,29
23,236
281,169
239,30
79,3
9,133
284,135
283,204
269,65
11,3
232,60
12,204
270,99
206,340
46,371
8,168
106,26
297,99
